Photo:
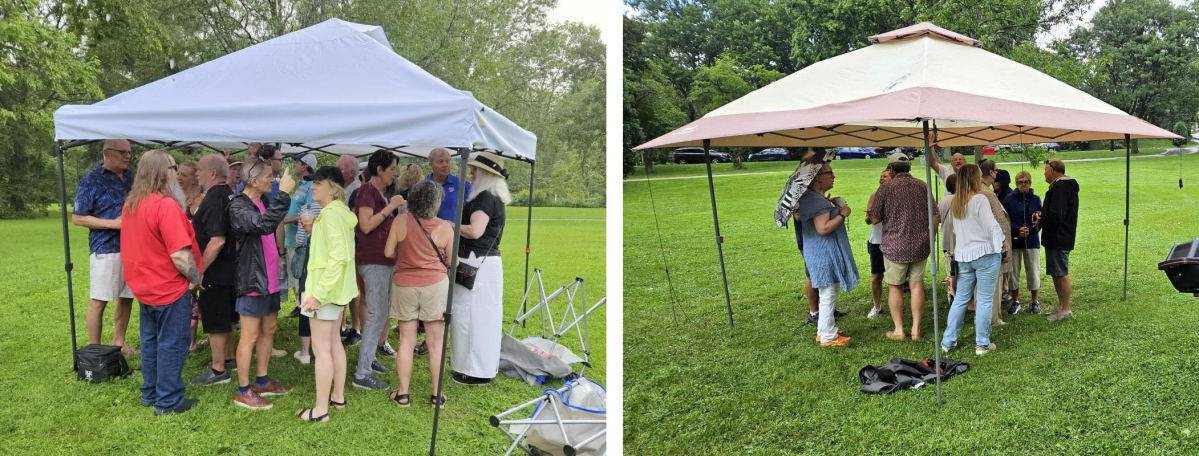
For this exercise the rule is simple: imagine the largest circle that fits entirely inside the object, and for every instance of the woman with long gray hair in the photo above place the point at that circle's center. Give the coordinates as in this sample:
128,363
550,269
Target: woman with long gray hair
476,323
421,244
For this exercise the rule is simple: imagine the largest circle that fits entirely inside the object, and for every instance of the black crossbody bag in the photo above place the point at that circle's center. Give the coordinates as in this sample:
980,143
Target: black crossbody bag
464,274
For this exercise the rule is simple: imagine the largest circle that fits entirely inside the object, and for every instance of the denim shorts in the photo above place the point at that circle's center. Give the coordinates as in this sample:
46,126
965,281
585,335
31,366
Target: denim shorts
257,306
1057,262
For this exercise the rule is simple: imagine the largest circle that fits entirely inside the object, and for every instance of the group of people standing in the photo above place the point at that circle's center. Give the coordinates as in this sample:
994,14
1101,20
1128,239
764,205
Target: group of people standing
989,233
222,241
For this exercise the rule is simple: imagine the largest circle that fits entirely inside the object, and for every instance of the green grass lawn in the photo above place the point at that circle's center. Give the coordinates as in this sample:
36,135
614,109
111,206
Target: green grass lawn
1117,379
46,411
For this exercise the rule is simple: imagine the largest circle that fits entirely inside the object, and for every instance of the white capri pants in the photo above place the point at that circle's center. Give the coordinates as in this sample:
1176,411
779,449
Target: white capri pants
1030,260
477,320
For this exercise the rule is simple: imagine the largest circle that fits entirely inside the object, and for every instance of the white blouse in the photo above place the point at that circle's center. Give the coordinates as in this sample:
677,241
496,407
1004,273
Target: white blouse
978,233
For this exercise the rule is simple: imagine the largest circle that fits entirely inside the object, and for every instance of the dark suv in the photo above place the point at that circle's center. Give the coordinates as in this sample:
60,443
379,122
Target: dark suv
696,155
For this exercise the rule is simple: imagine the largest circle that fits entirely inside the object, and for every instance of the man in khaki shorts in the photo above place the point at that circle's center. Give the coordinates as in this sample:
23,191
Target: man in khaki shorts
903,204
98,202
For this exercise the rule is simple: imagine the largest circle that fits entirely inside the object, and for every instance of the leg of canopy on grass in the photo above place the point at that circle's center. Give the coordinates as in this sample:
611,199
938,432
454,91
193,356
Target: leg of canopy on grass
724,277
1127,182
932,253
463,156
59,149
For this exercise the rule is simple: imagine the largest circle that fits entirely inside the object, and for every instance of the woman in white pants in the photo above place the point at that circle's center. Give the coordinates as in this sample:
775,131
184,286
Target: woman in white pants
477,315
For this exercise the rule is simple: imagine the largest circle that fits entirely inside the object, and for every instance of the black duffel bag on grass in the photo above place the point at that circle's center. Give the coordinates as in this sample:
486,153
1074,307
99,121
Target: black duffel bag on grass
98,363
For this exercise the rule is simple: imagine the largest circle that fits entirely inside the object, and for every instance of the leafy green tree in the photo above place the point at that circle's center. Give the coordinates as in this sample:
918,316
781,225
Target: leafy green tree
39,70
1181,129
1148,53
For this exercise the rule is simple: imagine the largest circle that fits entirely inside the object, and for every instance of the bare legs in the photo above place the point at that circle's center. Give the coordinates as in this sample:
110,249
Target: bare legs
917,306
1063,288
257,338
95,321
876,289
433,333
895,304
329,357
809,292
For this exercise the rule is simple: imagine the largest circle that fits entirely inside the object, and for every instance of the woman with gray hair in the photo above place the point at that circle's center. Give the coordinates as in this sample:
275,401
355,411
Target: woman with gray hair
421,244
477,325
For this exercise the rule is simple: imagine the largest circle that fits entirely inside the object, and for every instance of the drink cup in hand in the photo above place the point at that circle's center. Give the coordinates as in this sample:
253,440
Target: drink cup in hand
838,201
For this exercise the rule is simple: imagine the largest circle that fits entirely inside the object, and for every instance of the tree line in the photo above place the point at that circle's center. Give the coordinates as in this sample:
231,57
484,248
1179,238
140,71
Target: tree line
546,76
684,58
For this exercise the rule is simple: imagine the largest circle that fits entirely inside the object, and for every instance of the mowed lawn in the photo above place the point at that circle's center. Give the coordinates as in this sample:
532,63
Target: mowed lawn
46,411
1117,379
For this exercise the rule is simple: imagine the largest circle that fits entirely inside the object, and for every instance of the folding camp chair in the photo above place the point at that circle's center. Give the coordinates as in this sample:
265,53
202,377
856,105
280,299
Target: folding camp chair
568,421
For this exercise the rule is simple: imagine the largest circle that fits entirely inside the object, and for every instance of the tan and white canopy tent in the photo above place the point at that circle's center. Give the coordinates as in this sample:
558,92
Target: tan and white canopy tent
335,87
912,87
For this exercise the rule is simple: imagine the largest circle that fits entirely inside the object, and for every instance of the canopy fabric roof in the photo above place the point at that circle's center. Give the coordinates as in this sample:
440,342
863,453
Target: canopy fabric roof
878,96
336,85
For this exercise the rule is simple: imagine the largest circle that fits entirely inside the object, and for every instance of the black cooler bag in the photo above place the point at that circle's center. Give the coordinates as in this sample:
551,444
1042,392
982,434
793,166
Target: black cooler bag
97,363
1182,267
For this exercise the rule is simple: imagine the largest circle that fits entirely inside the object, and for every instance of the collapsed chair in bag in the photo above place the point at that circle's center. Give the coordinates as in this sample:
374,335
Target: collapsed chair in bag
900,374
98,363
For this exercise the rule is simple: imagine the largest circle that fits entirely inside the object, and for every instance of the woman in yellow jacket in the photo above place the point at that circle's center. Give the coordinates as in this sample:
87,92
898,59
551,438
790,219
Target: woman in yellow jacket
330,286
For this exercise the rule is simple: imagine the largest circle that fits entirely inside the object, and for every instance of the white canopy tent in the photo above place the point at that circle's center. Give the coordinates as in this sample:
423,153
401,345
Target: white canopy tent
329,86
889,93
335,87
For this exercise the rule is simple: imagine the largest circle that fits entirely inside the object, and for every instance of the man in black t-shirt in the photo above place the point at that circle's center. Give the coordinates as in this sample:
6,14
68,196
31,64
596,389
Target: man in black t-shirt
211,223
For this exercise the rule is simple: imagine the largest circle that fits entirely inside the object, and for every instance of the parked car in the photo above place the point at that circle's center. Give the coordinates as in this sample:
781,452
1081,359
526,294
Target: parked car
1051,146
696,155
845,153
992,150
911,152
771,154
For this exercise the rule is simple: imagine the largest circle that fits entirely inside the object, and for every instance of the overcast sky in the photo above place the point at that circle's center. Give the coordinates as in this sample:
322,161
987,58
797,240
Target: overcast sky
590,12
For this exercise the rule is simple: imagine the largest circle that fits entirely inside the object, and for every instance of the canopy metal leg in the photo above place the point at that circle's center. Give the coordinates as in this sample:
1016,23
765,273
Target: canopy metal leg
66,245
724,277
932,253
529,226
1127,213
463,156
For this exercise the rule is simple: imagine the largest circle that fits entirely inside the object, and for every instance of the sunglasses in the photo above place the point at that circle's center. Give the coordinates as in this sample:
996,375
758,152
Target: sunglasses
173,167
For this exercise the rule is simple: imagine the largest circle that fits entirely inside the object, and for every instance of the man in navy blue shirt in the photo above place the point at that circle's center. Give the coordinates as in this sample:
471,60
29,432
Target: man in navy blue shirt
439,164
98,202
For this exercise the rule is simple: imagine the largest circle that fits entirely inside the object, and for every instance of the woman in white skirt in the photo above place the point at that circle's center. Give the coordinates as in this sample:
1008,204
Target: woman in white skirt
478,312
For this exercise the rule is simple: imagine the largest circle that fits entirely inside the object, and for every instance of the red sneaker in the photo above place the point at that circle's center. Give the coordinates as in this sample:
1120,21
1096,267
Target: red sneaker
251,400
271,389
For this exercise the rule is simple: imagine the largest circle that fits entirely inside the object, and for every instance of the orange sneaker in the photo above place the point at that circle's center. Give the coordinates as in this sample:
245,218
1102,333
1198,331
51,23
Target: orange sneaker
839,341
839,334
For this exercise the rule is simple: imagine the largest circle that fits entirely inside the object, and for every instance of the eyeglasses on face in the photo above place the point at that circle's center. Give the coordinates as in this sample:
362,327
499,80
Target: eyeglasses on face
121,151
173,167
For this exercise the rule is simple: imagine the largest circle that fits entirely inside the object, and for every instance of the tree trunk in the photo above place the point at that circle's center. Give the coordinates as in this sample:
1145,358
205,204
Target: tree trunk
647,161
978,154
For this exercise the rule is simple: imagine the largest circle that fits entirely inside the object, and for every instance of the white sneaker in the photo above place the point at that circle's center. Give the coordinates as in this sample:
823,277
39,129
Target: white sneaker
303,359
979,351
874,312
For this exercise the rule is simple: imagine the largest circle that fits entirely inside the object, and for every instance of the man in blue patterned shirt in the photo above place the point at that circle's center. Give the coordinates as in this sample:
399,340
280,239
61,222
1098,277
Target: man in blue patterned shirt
98,202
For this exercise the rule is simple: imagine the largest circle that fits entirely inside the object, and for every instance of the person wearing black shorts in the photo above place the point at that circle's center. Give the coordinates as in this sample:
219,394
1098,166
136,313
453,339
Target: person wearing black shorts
211,224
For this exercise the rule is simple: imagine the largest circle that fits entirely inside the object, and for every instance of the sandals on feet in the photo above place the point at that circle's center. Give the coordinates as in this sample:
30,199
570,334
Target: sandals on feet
312,419
339,405
894,335
401,400
436,401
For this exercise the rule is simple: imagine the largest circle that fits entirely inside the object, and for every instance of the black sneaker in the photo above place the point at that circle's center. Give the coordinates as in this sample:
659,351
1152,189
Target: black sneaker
352,338
421,349
464,379
208,378
1035,307
369,382
183,406
377,367
813,318
230,365
295,313
838,314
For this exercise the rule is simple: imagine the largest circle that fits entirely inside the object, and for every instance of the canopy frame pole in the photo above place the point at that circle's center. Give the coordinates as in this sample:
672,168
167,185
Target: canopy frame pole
59,148
724,277
1127,206
451,271
528,228
932,252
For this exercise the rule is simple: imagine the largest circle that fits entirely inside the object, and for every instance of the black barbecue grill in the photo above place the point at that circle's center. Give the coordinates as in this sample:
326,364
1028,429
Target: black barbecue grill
1182,267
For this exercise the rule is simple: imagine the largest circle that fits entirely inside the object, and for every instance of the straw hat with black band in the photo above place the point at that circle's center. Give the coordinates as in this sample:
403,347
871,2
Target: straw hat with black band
489,162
